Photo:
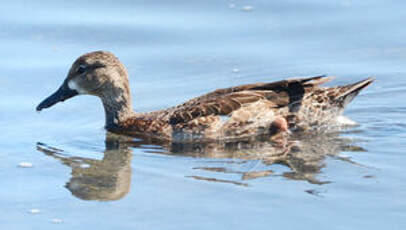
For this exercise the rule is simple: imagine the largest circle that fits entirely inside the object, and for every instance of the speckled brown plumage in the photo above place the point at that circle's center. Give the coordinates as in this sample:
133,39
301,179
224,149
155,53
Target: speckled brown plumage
231,113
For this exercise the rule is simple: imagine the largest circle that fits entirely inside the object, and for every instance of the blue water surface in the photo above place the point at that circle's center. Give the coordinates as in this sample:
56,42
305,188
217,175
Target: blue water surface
176,50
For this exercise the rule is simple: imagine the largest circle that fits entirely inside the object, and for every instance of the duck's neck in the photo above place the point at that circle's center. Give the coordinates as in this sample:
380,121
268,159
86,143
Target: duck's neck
117,107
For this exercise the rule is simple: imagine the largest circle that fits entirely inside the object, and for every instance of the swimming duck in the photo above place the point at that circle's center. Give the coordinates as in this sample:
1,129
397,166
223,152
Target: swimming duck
224,114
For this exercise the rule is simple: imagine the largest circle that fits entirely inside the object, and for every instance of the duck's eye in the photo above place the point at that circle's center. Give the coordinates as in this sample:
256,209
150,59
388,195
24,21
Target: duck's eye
81,69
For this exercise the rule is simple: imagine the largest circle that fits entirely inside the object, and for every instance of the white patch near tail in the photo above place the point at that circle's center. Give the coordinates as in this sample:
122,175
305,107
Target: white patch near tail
345,121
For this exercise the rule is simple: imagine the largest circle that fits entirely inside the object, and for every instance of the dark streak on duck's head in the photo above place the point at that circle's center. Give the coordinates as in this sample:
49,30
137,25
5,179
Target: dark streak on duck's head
97,73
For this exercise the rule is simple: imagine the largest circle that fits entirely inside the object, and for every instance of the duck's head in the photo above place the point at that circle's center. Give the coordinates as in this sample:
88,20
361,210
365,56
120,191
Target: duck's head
98,73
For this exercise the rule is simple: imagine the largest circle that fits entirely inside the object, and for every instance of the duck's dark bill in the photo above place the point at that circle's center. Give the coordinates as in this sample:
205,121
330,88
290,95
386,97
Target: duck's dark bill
61,94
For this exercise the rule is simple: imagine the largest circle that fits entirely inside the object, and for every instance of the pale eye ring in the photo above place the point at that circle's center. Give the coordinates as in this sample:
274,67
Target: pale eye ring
81,69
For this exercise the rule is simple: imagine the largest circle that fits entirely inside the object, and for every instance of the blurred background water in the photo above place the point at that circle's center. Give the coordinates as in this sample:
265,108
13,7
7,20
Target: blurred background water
175,50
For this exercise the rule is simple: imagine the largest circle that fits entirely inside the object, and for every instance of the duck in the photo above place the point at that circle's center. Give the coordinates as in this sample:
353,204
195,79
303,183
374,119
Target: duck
234,113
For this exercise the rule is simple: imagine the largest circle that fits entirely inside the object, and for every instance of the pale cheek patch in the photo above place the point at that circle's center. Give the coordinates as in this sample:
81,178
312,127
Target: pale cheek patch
74,86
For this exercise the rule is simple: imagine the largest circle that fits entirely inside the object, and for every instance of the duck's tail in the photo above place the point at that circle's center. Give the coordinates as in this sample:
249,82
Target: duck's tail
348,92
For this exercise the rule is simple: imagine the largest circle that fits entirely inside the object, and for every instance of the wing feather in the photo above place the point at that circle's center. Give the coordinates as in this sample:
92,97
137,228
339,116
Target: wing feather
225,101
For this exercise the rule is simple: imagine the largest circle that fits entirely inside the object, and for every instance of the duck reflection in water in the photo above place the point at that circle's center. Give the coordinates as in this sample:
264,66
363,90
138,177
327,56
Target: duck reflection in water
92,179
110,177
303,155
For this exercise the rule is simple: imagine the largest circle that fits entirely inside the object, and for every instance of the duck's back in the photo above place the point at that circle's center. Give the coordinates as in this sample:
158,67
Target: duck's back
248,110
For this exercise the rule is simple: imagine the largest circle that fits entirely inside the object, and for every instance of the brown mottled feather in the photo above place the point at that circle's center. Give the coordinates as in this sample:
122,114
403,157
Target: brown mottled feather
225,101
254,109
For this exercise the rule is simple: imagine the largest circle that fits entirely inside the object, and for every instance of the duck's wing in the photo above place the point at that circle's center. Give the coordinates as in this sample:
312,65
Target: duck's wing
225,101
